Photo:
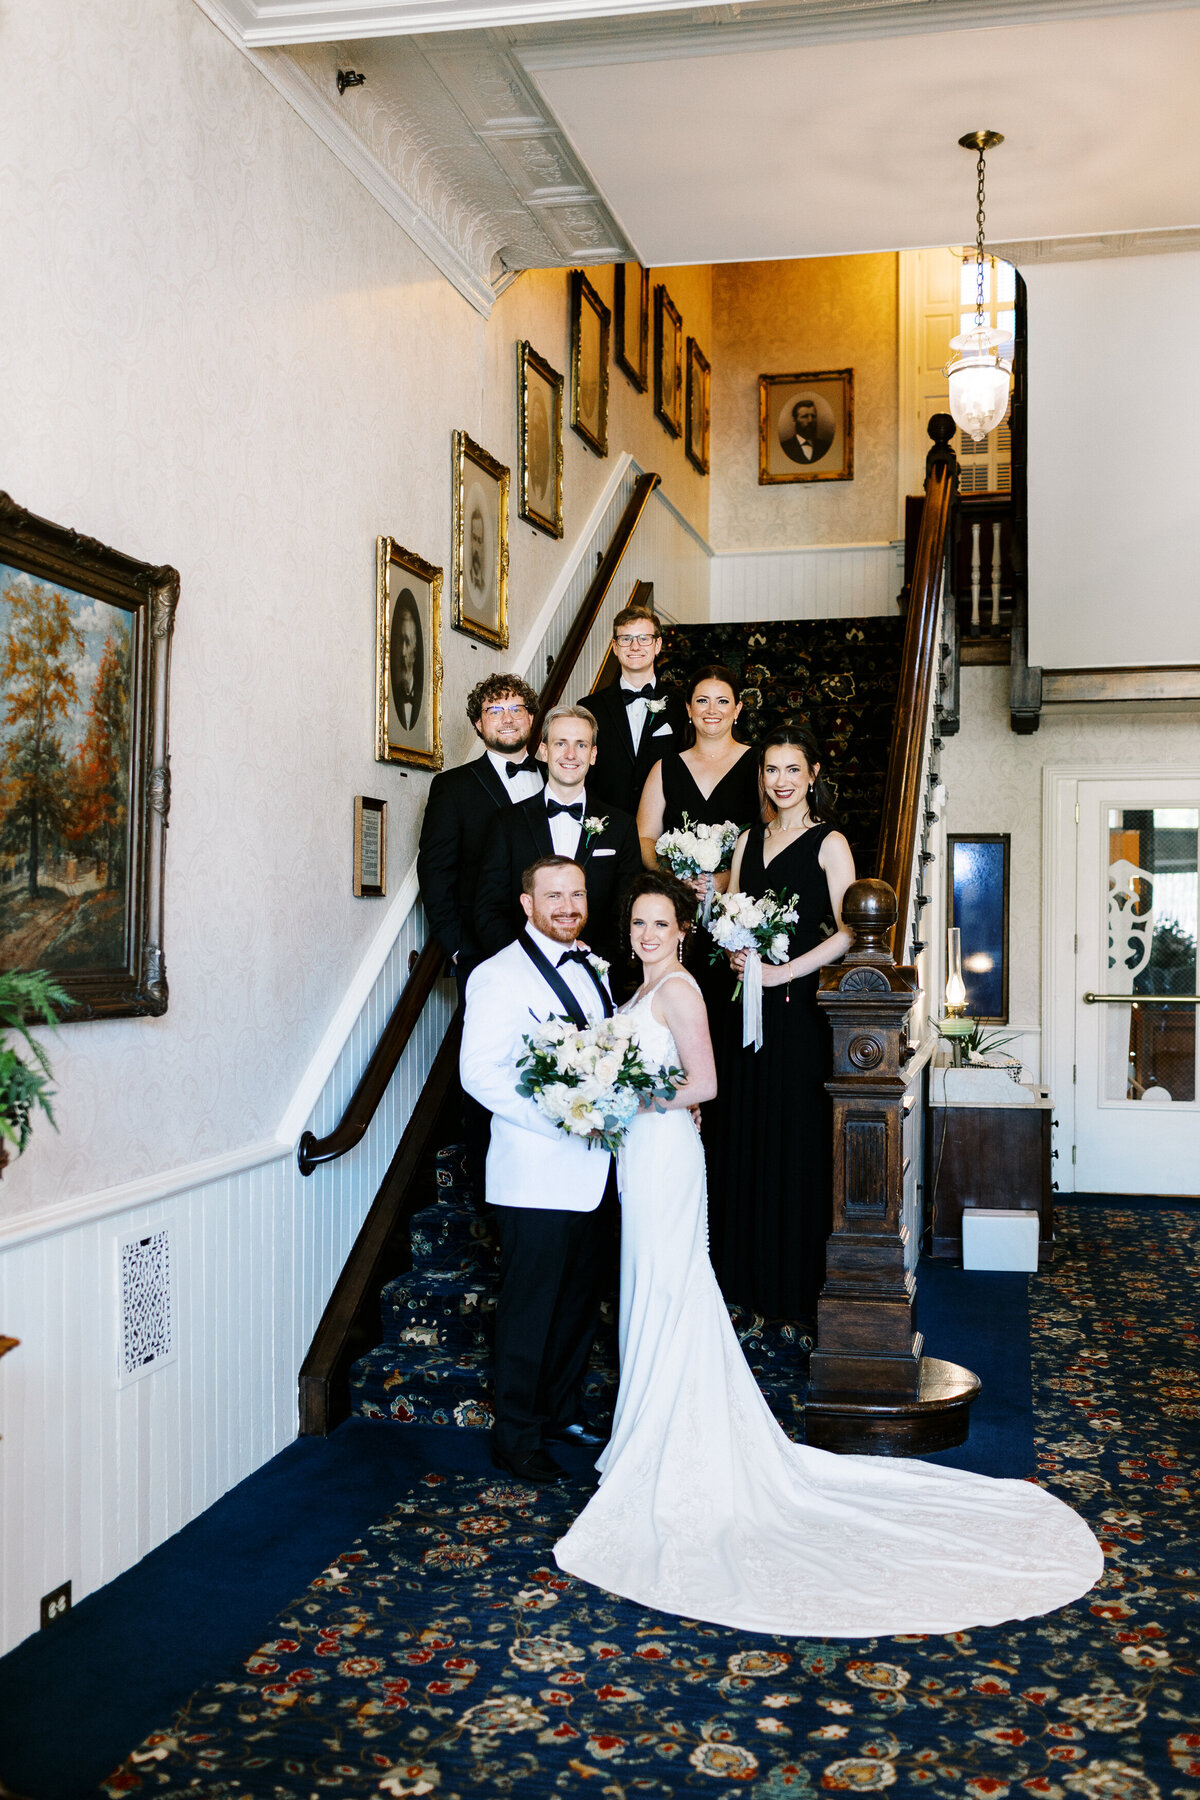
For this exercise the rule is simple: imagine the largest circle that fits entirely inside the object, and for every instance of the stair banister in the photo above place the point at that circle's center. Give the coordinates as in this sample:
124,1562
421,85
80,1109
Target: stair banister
360,1110
902,800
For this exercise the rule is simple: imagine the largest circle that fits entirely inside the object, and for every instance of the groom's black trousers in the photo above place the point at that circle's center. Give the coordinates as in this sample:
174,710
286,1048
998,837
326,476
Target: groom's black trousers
551,1264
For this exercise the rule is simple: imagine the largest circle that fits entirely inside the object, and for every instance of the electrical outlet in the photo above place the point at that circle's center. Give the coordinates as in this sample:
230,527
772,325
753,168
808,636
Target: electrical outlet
55,1605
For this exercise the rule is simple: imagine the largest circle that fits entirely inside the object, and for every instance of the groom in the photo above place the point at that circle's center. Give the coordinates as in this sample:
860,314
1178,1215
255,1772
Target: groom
546,1186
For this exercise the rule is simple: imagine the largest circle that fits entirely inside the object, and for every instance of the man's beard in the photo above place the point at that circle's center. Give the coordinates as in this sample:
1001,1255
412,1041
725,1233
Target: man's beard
476,569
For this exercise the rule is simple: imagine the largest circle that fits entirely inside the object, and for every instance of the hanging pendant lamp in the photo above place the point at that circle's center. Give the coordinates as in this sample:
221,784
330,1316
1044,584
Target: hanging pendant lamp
979,375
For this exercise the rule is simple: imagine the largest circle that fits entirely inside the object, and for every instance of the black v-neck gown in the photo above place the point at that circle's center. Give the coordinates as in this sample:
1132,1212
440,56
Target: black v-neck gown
769,1140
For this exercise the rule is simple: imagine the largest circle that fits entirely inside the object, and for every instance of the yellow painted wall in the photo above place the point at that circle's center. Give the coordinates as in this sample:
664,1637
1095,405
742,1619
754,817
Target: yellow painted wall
833,312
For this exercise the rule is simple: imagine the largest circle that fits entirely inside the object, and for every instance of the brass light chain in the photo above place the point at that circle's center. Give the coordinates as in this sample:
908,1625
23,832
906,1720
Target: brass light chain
979,242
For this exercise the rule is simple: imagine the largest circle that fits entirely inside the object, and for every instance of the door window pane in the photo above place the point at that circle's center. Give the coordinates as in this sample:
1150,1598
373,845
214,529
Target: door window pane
1149,1048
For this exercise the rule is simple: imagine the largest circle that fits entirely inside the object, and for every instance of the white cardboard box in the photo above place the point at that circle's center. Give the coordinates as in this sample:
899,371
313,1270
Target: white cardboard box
1000,1237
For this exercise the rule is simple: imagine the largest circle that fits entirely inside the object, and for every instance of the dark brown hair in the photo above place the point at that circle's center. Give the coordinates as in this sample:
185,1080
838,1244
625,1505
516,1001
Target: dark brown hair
529,876
498,687
658,881
712,672
629,615
796,734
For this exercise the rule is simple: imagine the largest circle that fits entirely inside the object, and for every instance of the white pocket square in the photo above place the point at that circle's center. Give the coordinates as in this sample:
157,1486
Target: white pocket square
663,731
604,853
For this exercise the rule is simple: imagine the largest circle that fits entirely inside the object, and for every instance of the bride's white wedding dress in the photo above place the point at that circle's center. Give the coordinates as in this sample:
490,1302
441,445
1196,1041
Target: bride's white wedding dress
707,1510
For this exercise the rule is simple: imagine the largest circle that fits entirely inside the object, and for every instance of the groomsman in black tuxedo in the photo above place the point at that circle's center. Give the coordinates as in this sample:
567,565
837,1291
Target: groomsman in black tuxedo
563,820
637,720
461,806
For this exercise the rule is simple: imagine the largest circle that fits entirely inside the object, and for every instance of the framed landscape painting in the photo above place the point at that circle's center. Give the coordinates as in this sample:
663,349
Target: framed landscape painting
698,406
85,646
479,559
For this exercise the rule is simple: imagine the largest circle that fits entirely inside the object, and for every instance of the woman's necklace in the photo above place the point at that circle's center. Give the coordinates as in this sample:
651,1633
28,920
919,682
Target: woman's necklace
775,829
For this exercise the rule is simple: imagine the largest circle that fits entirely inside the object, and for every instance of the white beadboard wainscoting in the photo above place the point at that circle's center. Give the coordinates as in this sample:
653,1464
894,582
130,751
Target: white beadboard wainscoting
93,1473
831,581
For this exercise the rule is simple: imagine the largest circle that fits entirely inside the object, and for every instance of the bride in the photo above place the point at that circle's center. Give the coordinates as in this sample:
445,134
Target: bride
705,1508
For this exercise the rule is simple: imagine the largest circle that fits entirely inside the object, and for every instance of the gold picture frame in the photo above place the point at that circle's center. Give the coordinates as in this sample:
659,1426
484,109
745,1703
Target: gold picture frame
806,427
408,658
698,417
370,848
591,327
668,362
539,441
479,560
631,308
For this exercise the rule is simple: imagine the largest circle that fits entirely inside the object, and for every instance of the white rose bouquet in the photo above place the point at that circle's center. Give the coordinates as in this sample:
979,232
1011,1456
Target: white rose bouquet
591,1081
740,922
698,850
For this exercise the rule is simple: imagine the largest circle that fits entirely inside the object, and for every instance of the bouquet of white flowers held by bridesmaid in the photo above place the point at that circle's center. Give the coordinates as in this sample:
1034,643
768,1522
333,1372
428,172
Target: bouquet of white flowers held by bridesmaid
757,926
591,1080
698,850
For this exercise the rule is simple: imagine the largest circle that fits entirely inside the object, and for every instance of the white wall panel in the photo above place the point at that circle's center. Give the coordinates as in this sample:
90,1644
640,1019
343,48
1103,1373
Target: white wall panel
847,581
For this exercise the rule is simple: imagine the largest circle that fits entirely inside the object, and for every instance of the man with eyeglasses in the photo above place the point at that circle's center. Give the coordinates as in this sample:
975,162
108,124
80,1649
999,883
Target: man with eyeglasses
638,721
461,806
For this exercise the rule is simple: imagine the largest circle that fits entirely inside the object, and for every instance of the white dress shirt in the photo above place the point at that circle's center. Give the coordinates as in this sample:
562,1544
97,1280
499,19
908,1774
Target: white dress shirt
566,833
573,973
635,712
520,787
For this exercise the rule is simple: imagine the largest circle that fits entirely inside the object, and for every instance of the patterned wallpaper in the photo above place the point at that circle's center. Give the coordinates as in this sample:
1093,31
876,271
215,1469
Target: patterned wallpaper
831,312
221,353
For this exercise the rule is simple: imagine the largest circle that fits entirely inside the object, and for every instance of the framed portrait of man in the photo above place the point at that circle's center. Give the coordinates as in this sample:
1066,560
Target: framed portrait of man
696,437
408,659
479,568
631,304
539,441
806,427
591,326
668,362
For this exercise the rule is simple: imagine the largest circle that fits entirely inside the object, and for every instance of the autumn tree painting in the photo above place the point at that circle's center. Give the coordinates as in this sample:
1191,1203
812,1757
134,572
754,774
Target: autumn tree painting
65,679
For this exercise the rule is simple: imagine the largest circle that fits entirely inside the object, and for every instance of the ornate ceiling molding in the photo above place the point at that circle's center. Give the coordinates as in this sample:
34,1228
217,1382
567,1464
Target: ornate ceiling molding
451,138
1087,249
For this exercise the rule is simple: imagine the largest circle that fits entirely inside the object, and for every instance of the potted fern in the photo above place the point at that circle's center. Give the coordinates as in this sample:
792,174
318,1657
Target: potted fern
27,997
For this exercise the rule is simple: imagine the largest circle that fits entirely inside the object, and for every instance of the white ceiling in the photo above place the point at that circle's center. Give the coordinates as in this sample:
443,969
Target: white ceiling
823,148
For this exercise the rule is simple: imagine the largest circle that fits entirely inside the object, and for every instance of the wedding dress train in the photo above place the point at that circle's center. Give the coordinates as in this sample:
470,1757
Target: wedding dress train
707,1510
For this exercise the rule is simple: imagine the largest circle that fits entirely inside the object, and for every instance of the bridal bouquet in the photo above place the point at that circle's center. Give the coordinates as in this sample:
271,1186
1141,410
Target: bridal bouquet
591,1081
740,922
698,850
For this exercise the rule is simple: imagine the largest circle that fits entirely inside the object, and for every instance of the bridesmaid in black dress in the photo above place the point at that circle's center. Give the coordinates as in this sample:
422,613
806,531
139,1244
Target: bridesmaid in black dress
769,1142
715,779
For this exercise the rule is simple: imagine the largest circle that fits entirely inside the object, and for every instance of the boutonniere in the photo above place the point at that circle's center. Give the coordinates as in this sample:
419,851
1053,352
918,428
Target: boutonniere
657,706
598,963
593,827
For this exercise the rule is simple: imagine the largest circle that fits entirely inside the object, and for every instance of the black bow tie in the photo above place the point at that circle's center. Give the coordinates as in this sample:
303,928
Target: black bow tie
629,695
528,767
579,956
554,807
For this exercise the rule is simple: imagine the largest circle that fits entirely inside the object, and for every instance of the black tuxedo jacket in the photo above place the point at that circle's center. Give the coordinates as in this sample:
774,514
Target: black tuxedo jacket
821,441
461,806
518,837
618,776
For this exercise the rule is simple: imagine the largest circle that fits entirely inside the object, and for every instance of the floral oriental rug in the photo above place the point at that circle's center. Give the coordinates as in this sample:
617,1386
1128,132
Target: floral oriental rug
444,1655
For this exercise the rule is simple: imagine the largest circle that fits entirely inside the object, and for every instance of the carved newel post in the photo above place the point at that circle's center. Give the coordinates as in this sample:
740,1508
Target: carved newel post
870,1388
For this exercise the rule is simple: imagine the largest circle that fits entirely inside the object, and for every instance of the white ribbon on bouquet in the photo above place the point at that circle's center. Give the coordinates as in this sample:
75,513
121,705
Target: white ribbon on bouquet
752,992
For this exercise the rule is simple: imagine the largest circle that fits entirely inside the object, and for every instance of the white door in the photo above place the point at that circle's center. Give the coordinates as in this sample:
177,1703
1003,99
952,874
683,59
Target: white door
1137,1110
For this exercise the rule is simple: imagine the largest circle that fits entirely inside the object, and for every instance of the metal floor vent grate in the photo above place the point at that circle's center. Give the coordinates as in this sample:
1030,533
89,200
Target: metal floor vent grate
147,1328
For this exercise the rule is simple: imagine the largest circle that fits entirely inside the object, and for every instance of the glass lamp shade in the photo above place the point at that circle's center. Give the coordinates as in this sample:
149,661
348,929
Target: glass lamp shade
956,993
979,381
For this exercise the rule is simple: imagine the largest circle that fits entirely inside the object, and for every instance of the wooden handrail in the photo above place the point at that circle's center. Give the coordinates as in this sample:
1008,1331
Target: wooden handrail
564,663
352,1126
902,794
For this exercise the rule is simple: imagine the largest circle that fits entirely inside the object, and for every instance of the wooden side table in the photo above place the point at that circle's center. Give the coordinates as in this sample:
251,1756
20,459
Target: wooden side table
988,1156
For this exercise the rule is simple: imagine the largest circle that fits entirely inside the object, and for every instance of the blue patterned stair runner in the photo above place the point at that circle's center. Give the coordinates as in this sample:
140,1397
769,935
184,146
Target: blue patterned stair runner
433,1365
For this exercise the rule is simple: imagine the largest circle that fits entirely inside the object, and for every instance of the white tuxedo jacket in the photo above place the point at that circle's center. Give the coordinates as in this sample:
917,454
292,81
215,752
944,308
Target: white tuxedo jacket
530,1162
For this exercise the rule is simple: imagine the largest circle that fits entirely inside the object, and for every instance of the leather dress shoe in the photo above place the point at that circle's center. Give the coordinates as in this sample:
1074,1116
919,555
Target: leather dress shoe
536,1466
577,1433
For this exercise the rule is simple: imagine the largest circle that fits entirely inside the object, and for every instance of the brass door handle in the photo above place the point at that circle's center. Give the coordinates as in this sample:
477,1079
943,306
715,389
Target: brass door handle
1090,999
